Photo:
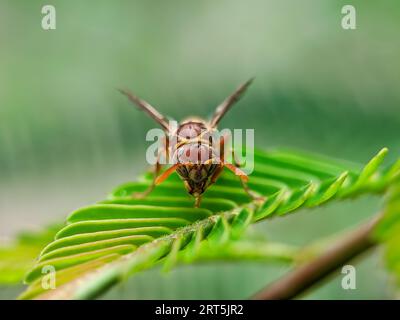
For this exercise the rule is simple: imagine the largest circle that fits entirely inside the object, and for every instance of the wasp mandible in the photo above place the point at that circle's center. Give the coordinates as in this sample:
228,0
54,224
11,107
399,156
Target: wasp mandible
194,154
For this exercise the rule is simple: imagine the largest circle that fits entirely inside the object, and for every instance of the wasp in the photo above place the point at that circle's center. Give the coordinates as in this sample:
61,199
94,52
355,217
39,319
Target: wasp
193,150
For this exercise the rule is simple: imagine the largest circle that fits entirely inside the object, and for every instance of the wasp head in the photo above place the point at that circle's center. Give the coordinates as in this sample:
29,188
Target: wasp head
197,165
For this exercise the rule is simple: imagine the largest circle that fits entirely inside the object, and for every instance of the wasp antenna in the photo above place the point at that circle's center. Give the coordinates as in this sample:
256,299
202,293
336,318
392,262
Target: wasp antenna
229,102
146,107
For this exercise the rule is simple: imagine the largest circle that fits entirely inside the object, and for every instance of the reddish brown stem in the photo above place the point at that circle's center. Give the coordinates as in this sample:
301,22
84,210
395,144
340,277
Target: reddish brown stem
309,274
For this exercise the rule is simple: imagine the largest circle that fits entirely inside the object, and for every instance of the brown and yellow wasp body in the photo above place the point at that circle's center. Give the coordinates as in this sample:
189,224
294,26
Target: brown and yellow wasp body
196,158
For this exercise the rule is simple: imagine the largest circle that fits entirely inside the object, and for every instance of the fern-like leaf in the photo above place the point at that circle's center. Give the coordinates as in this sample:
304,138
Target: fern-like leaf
104,243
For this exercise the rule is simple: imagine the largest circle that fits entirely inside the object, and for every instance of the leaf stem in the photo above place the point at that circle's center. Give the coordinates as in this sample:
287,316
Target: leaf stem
305,276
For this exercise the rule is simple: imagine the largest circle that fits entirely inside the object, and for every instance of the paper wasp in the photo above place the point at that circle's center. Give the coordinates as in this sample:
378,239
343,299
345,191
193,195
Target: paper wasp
193,152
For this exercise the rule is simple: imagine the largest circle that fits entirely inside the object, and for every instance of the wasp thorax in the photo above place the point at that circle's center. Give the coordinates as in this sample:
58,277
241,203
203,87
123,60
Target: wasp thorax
191,129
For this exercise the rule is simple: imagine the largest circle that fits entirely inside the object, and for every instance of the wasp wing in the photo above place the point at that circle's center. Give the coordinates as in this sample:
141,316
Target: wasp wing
146,107
228,103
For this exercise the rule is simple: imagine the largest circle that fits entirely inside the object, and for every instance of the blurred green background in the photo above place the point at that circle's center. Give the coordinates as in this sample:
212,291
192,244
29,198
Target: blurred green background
67,137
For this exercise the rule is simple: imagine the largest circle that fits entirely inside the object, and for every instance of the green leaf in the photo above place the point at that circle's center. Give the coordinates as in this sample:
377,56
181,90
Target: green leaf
241,222
17,257
220,233
104,243
113,211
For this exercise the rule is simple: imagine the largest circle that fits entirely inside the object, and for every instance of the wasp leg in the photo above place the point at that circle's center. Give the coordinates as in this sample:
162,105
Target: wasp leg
156,171
215,175
197,201
235,160
252,194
